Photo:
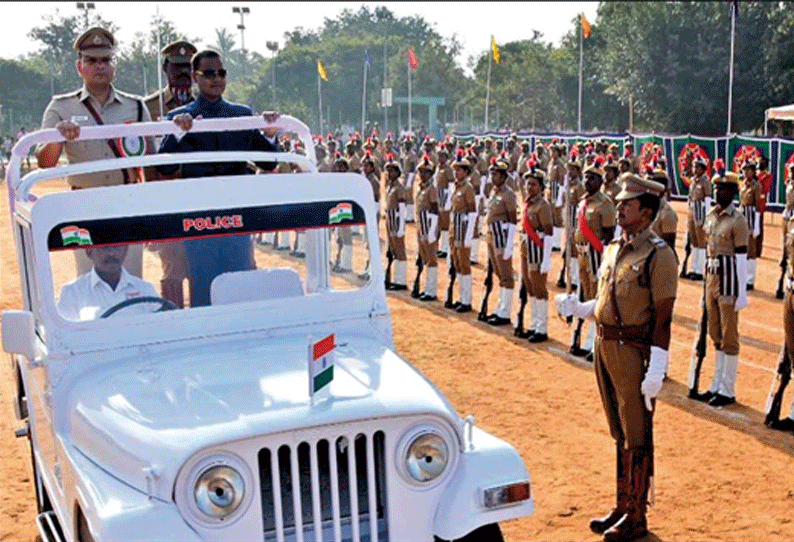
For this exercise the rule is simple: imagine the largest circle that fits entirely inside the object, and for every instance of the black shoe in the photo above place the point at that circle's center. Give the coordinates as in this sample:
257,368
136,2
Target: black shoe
415,295
283,248
297,254
750,287
395,286
578,352
721,400
589,357
340,269
441,254
779,294
425,297
463,308
695,276
561,284
704,397
523,333
452,306
497,320
538,338
786,424
555,249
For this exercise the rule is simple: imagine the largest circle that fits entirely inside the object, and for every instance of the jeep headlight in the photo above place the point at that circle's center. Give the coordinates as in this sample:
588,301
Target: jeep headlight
426,457
219,491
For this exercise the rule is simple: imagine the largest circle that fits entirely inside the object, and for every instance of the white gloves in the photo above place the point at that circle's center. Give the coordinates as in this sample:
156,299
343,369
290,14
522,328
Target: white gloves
471,220
545,265
507,253
654,376
757,224
741,274
401,229
432,232
569,305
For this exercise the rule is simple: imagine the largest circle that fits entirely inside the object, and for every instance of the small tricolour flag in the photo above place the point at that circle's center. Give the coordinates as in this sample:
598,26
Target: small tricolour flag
321,70
321,363
72,235
412,62
340,212
495,50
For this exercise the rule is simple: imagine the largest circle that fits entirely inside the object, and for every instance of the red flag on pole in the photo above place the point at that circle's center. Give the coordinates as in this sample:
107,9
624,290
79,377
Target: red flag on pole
412,62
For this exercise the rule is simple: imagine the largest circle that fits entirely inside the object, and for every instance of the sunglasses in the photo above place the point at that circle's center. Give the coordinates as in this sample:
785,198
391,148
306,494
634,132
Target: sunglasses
209,74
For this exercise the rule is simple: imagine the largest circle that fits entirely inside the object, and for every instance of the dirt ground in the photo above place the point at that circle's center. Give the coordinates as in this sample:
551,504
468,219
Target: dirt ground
721,475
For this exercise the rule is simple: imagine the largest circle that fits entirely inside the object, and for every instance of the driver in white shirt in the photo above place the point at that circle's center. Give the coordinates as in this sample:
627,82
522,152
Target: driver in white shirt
107,284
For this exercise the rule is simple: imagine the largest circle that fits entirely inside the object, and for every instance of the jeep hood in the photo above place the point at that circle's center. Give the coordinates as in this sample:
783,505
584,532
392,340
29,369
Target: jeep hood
132,416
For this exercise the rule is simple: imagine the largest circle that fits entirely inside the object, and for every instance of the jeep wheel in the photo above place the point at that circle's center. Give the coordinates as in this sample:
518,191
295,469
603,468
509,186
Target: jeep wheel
486,533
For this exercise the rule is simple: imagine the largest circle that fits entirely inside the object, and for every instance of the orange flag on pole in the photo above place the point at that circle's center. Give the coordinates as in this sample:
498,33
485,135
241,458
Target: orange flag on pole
412,62
586,28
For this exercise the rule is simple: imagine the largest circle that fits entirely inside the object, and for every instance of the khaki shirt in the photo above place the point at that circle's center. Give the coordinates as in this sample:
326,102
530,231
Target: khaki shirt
375,182
789,248
152,103
426,197
750,194
120,108
538,212
355,163
395,194
624,283
444,177
502,207
699,188
555,174
666,219
726,231
409,162
611,189
599,213
463,198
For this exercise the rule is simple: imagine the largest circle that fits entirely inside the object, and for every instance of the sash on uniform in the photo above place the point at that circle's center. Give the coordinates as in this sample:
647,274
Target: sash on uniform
724,265
393,220
588,232
699,211
530,231
424,223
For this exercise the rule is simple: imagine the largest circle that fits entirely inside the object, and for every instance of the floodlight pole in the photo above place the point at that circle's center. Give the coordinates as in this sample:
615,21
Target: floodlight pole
85,6
243,11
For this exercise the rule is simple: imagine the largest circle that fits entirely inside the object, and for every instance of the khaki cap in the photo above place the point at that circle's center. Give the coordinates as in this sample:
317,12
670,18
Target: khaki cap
634,186
729,178
95,42
392,163
426,163
179,52
499,165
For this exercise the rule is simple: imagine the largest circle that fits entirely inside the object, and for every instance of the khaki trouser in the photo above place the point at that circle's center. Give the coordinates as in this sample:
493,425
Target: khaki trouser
722,317
427,251
173,259
752,247
697,235
534,281
503,268
397,246
620,369
461,256
587,278
556,216
443,219
133,261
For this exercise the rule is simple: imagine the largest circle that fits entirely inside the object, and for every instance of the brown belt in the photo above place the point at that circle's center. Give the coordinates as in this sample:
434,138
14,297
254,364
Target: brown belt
636,335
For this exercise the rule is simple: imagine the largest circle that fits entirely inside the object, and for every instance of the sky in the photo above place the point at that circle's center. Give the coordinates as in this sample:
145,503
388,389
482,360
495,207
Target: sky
473,22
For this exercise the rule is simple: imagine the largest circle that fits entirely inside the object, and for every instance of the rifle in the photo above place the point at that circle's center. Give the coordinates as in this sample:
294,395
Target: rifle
781,380
390,257
561,279
483,315
452,274
696,363
519,330
419,266
687,251
783,264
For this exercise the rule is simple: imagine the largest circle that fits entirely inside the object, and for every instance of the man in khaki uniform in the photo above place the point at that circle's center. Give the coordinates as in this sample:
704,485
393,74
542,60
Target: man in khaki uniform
666,223
97,102
427,230
594,228
572,193
395,224
409,160
555,174
633,159
633,311
178,91
536,229
699,203
726,266
462,222
750,194
501,223
443,179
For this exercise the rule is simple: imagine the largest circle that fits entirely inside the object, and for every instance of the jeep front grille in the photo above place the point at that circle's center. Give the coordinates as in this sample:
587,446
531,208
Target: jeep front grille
319,490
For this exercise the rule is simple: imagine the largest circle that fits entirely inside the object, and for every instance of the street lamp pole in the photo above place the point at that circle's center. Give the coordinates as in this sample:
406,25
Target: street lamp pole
272,46
85,6
243,11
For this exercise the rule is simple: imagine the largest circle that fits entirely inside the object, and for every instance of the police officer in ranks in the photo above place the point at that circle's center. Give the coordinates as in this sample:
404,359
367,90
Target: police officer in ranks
331,146
536,230
409,160
478,185
699,202
321,154
178,92
727,236
501,224
427,226
523,159
543,157
750,195
368,165
632,311
97,102
666,223
444,178
594,228
555,174
354,163
395,223
633,159
462,222
610,186
568,199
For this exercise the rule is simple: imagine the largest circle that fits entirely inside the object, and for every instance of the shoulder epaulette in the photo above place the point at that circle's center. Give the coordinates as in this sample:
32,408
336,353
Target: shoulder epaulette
72,94
128,95
658,241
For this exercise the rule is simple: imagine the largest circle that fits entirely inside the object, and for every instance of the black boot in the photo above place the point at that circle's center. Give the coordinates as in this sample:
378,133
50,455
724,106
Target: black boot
634,524
600,525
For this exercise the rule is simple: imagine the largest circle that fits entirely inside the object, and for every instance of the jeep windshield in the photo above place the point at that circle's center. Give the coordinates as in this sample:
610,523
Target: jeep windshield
128,266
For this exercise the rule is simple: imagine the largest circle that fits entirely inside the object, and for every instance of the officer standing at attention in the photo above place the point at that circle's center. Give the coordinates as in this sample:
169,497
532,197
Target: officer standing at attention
726,266
179,92
409,160
97,102
537,226
395,223
501,224
568,199
427,230
699,200
555,176
462,223
633,311
750,195
443,179
666,223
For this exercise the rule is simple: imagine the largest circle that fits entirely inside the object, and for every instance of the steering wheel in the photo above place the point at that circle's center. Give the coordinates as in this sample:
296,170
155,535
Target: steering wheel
165,305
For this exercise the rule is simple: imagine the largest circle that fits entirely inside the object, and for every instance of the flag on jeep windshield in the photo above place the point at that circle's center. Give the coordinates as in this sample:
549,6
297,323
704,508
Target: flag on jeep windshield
343,211
72,235
321,363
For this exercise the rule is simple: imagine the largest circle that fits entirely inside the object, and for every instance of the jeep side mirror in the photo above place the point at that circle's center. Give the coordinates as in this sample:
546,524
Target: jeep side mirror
19,336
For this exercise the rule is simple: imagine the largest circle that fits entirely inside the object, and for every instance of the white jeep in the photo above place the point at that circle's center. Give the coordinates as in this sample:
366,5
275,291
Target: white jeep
279,411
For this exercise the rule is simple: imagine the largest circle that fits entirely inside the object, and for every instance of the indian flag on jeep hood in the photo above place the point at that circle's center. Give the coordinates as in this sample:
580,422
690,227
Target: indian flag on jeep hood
72,235
340,212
